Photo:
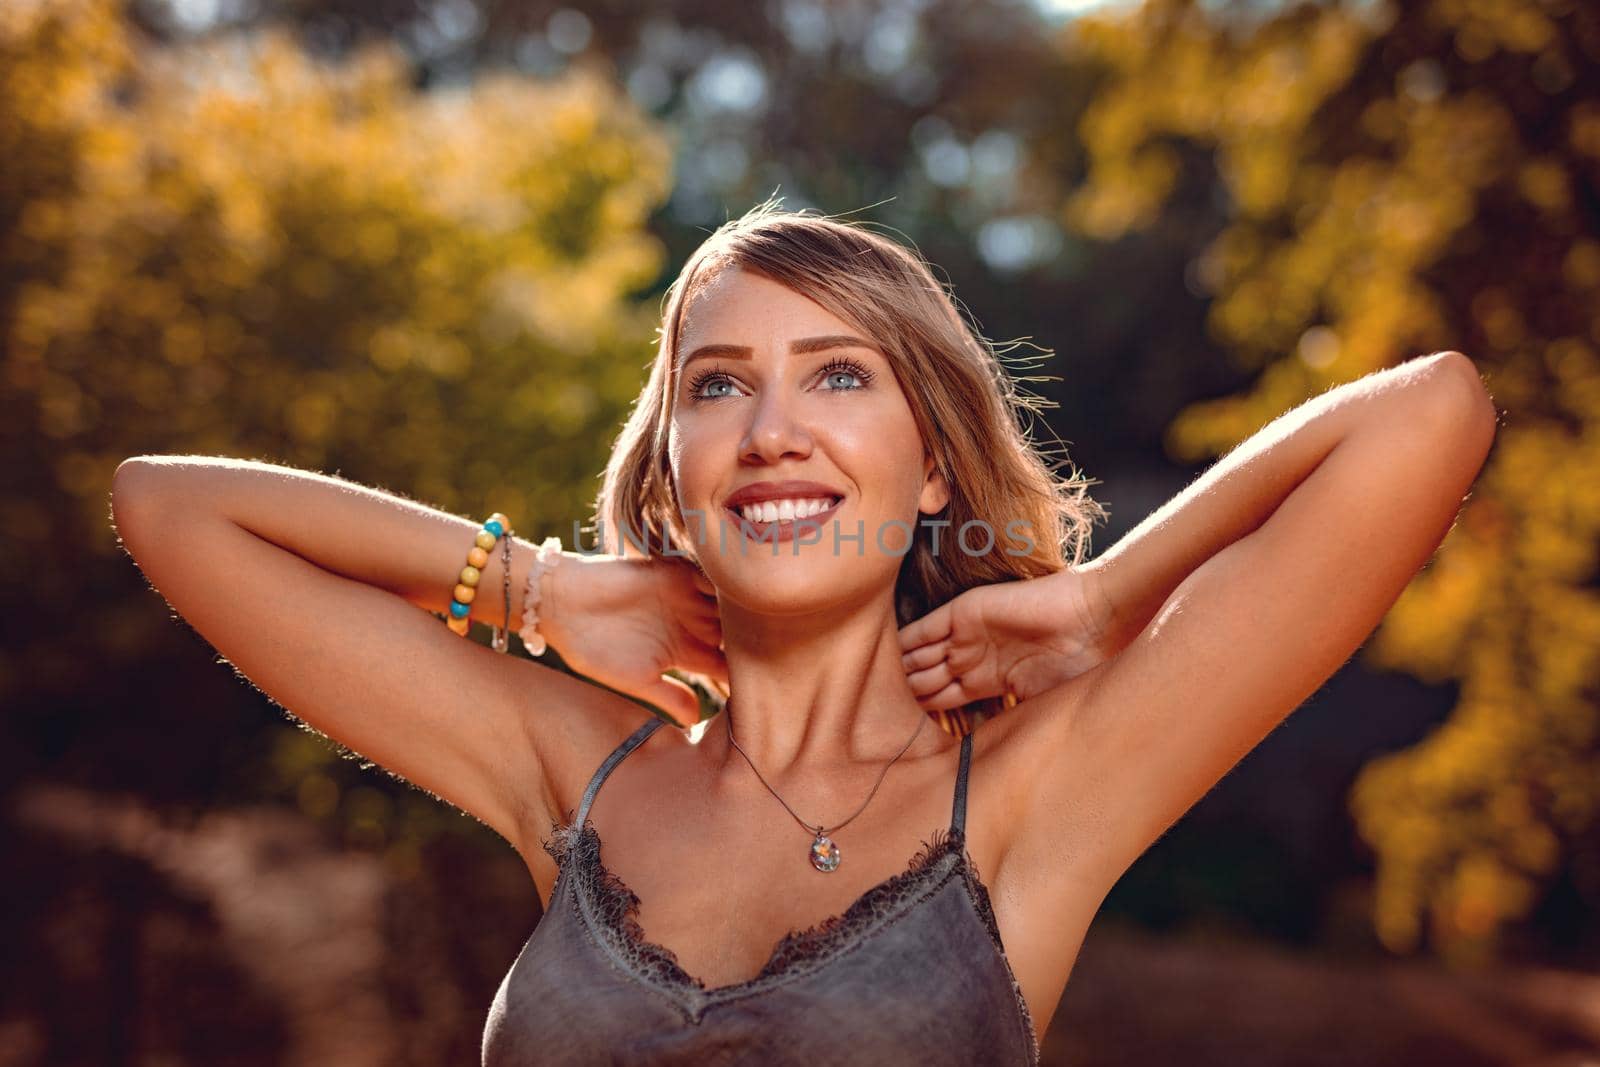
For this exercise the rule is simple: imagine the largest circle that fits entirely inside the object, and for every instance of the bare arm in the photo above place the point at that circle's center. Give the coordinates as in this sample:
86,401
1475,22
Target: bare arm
1134,578
1241,597
312,587
371,535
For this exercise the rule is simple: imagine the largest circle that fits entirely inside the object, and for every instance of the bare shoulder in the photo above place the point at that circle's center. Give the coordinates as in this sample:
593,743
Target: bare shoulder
571,734
1050,823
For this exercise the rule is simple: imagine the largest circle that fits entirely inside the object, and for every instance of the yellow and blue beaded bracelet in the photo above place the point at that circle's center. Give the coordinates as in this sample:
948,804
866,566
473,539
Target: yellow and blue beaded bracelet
494,528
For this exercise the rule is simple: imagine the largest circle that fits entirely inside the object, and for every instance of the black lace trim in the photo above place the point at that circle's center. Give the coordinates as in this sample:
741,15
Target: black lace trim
817,942
617,906
577,855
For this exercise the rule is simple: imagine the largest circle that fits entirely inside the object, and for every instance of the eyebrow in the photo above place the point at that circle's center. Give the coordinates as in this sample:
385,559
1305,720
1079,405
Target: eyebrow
802,346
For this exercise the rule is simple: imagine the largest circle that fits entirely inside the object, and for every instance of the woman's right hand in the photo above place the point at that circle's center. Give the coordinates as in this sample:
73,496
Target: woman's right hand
622,621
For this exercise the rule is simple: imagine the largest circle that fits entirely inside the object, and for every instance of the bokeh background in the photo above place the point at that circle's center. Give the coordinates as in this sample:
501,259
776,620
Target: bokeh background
422,244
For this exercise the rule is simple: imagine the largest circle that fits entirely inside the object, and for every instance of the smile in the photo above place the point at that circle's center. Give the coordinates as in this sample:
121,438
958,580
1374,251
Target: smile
778,520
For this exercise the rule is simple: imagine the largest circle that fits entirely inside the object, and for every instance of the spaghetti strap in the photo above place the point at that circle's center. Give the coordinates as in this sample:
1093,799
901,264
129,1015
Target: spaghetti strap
925,940
958,809
633,741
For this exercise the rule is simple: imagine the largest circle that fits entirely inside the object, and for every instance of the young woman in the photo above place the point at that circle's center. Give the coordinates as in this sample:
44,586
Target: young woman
824,505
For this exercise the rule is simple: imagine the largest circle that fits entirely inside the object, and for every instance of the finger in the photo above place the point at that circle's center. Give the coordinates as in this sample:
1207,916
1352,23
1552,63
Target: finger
703,659
704,628
676,698
930,681
922,658
702,604
934,626
711,684
690,597
701,582
718,679
951,696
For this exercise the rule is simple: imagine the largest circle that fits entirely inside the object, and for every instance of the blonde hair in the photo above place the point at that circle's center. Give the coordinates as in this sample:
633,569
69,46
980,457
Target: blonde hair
967,408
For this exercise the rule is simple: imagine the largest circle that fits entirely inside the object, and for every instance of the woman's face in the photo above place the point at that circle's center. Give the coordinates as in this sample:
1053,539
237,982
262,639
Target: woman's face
772,388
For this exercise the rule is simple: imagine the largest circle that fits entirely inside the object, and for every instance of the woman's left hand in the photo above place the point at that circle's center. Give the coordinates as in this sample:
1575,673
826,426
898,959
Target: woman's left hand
1022,637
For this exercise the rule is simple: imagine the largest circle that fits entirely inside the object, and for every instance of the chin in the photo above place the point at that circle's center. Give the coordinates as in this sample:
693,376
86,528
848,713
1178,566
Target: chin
786,585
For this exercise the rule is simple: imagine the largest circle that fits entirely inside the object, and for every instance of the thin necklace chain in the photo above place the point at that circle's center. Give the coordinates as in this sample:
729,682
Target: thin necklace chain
819,829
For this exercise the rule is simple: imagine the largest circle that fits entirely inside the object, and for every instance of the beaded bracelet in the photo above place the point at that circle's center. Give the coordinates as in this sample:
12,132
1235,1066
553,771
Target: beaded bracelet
495,528
545,555
502,634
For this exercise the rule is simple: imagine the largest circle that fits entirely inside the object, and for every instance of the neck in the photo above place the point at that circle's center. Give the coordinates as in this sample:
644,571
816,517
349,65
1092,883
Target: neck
818,693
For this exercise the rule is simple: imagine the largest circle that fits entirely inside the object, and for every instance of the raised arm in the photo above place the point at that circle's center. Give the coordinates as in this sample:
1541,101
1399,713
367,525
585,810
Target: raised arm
1237,600
318,590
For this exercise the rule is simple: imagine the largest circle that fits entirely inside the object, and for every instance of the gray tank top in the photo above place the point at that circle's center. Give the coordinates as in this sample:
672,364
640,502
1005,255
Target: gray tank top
913,972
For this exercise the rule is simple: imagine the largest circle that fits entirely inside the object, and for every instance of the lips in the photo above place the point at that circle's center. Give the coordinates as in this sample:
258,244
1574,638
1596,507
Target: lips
779,529
757,492
783,529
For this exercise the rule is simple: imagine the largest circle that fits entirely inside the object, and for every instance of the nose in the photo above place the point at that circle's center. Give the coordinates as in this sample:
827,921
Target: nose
775,431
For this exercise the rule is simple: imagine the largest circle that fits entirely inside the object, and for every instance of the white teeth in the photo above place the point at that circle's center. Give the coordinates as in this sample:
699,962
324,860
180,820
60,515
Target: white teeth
785,510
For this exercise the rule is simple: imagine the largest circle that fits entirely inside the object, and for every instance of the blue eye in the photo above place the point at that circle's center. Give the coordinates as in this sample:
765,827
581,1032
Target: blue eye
708,377
851,368
848,367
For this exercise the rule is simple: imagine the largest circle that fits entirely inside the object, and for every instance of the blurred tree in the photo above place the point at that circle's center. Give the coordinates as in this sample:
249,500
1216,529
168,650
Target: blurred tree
1405,178
913,114
230,248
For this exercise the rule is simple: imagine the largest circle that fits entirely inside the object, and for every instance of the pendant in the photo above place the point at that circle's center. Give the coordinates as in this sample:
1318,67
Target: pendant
824,853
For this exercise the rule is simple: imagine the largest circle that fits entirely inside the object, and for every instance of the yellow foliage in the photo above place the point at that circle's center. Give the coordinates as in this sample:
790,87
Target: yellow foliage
233,248
1385,204
246,185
